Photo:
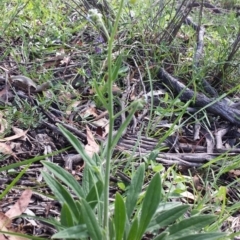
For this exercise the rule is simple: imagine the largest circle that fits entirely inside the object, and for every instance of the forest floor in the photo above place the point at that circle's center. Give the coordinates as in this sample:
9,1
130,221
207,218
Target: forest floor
182,61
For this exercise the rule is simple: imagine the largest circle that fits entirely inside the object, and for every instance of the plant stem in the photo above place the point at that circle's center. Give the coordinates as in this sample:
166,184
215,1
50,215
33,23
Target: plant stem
111,124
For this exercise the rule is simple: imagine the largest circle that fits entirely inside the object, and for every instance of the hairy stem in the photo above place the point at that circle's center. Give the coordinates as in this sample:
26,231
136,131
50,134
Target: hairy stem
111,123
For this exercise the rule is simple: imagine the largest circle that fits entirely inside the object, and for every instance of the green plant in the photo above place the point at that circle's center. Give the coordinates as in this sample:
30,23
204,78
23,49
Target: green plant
91,215
129,219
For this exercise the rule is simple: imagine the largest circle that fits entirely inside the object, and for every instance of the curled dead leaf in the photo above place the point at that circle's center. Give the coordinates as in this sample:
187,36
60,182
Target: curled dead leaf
5,149
21,205
3,123
91,147
19,133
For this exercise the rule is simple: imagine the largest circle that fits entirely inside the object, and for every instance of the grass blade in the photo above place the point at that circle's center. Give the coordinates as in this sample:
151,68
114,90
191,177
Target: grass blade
14,181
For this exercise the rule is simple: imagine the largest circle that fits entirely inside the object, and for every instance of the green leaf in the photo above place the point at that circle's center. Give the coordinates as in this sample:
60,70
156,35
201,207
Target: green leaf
134,190
76,144
203,236
133,230
76,232
62,195
195,223
29,161
87,180
65,177
162,236
116,68
21,235
66,216
134,107
93,228
150,204
95,193
111,229
100,94
167,217
119,216
81,217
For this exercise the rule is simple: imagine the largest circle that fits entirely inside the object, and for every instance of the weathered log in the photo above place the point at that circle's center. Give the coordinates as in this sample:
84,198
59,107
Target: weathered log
218,107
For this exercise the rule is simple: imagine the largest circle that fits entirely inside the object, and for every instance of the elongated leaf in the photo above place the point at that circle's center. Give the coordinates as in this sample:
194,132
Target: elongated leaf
65,177
62,195
76,144
150,204
119,216
162,236
202,236
133,230
111,229
94,195
81,217
135,105
14,181
29,161
116,68
167,217
100,95
93,228
194,223
18,235
76,232
87,180
66,216
134,190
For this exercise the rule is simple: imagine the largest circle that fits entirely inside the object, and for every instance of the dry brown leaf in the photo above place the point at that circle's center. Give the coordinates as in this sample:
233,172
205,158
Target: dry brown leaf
2,237
3,124
5,148
60,52
91,147
234,173
19,133
66,60
116,90
65,97
103,123
91,111
114,56
5,94
20,206
188,195
4,221
196,183
72,106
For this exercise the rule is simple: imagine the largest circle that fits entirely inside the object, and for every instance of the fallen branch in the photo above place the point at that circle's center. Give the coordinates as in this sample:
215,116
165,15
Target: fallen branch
185,94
